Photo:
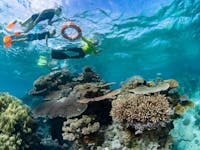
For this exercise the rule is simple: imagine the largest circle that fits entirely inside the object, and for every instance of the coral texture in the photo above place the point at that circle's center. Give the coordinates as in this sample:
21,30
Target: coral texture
16,124
148,90
49,82
132,83
139,110
76,128
67,95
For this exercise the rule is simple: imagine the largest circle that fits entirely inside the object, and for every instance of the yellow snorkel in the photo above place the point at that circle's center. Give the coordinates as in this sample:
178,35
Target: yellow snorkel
89,46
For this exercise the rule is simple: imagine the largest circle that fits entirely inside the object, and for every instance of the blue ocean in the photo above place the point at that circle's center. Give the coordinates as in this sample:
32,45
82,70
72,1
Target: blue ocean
137,87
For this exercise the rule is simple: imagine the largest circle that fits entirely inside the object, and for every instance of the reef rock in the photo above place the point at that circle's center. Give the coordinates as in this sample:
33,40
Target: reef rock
50,82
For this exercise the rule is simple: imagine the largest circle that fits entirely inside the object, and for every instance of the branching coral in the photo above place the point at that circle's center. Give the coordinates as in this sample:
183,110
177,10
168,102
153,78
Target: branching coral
141,112
76,128
16,124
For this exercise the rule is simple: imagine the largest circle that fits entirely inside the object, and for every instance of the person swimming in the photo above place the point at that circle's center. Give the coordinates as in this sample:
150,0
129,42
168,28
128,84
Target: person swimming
9,40
88,48
47,14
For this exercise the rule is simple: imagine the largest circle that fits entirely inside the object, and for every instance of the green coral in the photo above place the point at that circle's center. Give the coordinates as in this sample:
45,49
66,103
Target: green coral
16,124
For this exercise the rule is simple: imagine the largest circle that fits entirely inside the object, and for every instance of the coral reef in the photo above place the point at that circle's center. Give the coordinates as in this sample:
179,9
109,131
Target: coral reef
145,114
142,112
118,138
71,92
17,127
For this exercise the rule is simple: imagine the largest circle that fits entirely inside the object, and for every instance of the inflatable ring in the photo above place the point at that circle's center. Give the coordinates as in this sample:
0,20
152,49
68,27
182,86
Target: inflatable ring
71,24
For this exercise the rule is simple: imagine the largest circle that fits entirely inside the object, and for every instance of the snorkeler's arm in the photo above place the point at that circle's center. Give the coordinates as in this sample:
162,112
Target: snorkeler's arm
50,21
85,40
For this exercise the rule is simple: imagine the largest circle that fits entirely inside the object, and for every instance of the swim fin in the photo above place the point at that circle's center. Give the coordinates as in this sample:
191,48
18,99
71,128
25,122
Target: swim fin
8,44
7,38
11,24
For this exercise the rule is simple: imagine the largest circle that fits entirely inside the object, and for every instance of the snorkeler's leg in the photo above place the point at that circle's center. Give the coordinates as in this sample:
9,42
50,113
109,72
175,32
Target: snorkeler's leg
80,52
59,54
29,20
20,38
29,23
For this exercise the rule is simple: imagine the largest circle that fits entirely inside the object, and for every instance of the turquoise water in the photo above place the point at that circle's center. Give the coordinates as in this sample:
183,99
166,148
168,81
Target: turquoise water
148,38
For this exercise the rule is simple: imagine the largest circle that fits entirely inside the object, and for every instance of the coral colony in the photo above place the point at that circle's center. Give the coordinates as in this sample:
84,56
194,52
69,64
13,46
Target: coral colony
82,112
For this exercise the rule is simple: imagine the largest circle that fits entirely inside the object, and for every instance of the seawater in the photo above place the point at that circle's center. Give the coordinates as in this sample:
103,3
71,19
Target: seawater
162,40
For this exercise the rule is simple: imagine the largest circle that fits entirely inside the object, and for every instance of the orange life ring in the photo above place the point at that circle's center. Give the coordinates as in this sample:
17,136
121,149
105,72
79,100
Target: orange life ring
71,24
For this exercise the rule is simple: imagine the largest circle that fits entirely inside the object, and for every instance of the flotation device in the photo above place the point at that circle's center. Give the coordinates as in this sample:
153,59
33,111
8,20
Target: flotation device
71,24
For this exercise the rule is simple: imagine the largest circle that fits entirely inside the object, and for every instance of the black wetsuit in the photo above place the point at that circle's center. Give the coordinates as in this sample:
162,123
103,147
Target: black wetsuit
47,14
61,54
39,36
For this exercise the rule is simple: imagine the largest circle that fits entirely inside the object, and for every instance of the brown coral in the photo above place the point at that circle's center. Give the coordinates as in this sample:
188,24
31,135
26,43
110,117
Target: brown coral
109,95
172,83
49,82
76,128
132,83
139,110
181,108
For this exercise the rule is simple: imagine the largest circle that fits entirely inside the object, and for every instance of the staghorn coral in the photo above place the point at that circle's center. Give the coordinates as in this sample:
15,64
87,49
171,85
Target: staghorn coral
16,125
141,112
76,128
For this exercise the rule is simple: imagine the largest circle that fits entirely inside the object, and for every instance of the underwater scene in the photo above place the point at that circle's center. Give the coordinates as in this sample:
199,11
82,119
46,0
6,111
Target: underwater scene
100,75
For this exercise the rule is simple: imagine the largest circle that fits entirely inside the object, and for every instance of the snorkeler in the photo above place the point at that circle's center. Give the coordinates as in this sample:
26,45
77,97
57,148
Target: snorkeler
88,48
47,14
9,40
